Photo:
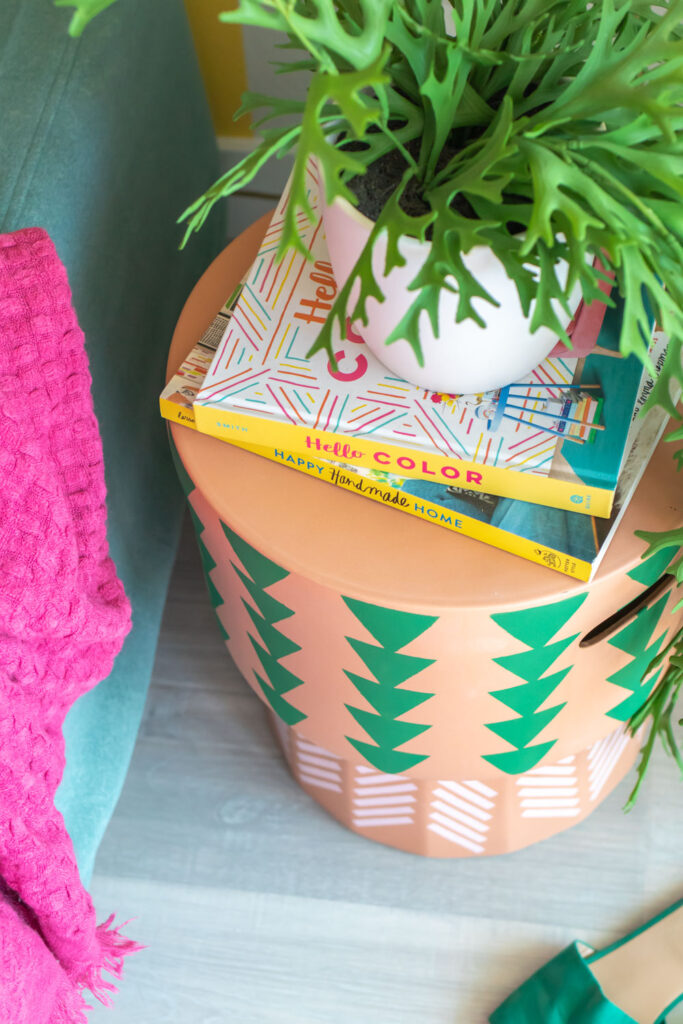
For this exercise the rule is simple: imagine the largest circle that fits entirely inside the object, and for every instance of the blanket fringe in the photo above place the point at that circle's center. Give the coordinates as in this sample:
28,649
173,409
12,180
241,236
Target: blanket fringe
70,1006
114,947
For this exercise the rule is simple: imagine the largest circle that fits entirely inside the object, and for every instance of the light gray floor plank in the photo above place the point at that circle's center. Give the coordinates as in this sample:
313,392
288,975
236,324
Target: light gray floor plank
298,960
258,907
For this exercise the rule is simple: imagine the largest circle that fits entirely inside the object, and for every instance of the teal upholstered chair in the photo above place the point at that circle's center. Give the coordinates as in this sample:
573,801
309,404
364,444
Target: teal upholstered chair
103,141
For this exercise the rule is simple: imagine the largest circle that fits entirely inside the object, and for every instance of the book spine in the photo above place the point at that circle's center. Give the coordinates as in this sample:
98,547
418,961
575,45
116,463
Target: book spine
256,432
385,494
175,413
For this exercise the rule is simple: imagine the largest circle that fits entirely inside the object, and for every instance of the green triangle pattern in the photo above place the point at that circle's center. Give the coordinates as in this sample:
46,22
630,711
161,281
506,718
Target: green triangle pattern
535,627
516,762
531,665
622,712
527,698
266,611
393,762
387,702
198,524
262,570
208,563
276,642
392,668
390,628
384,725
214,594
280,678
649,571
289,714
387,732
270,608
519,732
636,634
633,639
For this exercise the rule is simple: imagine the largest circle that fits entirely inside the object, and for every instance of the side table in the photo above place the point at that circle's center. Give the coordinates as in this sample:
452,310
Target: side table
430,692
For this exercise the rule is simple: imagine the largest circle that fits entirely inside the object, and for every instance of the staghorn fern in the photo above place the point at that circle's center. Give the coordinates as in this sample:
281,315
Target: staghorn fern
661,708
562,117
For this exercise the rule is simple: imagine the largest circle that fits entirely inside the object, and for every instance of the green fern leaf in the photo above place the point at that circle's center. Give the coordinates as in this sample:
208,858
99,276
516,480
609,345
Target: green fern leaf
321,27
85,11
348,93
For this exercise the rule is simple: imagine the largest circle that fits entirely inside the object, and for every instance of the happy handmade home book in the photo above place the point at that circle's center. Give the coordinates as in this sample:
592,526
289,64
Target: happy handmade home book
556,438
564,541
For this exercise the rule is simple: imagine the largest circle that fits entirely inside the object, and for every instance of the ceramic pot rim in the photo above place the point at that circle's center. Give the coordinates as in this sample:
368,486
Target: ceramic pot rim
413,244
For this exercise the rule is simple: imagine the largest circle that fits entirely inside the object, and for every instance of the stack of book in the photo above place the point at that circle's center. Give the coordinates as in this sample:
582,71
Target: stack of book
543,468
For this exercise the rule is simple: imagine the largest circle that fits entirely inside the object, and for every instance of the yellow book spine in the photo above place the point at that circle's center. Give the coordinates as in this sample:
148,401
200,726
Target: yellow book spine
364,452
390,496
176,413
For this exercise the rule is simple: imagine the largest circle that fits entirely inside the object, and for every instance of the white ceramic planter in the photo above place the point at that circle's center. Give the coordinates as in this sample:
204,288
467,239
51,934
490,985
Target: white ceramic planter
463,358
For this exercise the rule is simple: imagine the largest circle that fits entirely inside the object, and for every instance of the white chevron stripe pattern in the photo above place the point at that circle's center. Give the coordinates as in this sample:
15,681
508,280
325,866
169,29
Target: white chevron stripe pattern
462,813
317,767
380,799
550,792
602,758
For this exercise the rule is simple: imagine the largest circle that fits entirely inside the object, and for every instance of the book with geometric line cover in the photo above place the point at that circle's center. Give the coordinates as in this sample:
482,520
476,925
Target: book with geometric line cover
557,437
565,541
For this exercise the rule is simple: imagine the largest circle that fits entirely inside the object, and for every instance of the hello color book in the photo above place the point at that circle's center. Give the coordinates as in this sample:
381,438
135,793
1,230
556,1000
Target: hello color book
556,438
565,541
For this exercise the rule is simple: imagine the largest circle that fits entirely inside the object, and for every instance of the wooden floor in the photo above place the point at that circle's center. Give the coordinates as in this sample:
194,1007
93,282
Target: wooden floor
258,908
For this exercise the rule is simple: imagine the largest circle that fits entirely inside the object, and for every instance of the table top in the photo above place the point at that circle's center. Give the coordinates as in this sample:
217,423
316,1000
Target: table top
359,547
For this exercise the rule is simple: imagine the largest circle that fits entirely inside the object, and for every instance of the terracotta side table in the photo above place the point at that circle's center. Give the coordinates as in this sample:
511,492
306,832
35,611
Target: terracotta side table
432,693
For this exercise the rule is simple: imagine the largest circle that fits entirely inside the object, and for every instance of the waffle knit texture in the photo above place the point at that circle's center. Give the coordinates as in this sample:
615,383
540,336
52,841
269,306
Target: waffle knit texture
63,618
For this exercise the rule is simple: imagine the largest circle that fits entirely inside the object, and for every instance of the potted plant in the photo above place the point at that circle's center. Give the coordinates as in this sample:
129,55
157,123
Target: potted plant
479,160
486,164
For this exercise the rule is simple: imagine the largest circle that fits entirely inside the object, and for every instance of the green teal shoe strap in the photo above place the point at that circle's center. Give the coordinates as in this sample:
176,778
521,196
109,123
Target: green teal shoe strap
669,1008
671,920
564,991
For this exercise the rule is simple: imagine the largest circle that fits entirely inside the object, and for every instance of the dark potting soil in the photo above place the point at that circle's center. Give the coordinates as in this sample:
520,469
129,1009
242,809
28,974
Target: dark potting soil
374,188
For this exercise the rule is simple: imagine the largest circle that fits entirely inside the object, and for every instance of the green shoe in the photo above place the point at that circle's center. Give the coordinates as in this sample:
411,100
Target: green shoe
637,980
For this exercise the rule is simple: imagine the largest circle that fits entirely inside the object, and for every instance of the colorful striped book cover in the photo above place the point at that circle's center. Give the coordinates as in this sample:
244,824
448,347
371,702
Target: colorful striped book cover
556,438
566,541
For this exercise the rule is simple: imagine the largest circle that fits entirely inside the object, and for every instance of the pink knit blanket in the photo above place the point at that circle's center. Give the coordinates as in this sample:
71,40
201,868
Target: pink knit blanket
63,617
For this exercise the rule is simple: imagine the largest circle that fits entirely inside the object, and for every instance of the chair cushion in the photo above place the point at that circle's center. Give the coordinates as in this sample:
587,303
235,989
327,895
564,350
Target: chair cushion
106,139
